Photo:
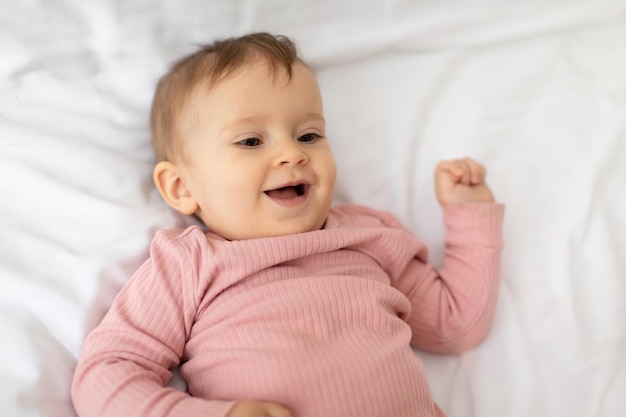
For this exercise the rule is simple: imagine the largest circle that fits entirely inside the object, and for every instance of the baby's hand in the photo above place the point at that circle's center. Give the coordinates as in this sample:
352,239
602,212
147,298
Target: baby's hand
461,181
258,409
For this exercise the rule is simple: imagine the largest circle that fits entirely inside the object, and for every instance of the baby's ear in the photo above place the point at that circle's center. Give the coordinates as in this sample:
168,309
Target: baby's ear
170,183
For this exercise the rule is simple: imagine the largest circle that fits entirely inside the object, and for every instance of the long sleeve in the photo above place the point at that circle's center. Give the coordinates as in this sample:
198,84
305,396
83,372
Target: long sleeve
453,307
125,362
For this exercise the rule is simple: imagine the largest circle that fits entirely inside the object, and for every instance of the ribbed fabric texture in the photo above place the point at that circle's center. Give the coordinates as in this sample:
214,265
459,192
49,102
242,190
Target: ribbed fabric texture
321,322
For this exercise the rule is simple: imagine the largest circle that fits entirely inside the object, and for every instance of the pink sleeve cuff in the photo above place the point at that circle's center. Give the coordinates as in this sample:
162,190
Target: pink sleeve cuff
478,224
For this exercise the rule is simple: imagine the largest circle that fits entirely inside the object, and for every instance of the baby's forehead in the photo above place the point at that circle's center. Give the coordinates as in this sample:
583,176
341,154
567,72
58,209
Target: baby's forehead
251,88
241,82
256,66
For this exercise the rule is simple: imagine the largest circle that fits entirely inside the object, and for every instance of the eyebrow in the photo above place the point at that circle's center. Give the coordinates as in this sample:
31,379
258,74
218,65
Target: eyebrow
256,119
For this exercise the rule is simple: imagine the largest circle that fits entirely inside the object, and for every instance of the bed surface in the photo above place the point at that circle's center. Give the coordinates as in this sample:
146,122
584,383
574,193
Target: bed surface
535,90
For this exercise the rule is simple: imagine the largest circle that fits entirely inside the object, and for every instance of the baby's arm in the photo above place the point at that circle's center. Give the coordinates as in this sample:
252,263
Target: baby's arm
454,306
124,362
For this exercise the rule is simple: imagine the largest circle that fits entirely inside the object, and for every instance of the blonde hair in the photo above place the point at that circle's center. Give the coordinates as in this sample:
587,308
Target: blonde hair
206,67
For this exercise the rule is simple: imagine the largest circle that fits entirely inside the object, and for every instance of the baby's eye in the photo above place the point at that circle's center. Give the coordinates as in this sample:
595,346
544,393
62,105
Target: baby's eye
309,137
249,142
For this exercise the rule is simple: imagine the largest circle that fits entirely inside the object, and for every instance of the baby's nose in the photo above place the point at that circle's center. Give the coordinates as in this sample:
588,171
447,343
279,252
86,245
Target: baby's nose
291,154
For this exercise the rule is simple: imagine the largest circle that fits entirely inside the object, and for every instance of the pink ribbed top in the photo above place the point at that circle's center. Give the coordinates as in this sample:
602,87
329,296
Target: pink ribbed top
321,322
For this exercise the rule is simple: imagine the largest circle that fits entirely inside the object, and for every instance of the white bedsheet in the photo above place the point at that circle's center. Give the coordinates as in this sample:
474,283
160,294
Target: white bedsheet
536,90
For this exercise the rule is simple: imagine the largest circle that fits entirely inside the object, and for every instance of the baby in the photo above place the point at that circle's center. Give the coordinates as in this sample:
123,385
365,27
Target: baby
282,306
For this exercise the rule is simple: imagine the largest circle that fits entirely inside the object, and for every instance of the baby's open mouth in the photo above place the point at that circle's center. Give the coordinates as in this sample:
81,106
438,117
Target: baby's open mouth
291,191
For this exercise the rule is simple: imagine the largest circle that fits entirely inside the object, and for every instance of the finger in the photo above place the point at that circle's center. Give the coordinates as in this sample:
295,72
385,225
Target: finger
276,410
451,169
466,176
477,171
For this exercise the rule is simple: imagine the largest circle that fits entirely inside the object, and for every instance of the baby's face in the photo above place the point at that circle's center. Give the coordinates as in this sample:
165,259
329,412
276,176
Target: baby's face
257,160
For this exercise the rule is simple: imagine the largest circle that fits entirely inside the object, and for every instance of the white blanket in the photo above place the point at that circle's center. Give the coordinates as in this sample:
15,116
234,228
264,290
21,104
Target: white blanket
536,90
